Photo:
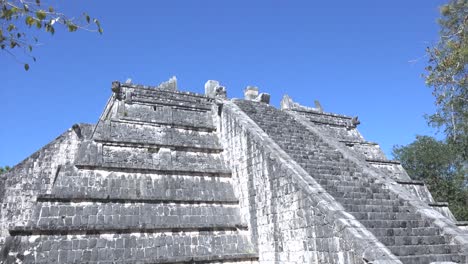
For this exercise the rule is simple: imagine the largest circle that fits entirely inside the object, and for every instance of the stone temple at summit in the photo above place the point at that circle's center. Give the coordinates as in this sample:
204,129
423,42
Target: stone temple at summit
167,176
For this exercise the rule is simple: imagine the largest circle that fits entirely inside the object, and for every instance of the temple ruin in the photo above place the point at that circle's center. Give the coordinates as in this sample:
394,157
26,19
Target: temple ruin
166,176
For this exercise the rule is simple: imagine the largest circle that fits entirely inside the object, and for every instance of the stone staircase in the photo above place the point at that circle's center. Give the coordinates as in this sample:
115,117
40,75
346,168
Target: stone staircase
408,235
343,130
148,185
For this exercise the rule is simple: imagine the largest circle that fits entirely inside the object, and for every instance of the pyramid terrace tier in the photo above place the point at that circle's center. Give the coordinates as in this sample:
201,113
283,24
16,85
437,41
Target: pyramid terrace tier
143,159
392,169
330,119
434,258
166,115
367,151
162,98
161,247
81,185
139,91
144,134
341,133
418,189
98,217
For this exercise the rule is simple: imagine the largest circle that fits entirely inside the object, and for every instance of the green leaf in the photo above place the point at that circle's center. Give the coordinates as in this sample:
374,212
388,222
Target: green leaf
51,9
41,15
88,19
13,44
30,48
26,67
29,20
10,27
72,27
445,10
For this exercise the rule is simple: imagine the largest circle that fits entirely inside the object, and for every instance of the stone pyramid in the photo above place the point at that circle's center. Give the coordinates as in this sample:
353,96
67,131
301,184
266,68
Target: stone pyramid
175,177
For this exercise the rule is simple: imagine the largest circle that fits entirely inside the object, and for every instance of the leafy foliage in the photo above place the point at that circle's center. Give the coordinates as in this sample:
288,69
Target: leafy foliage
4,169
19,17
447,74
443,165
439,165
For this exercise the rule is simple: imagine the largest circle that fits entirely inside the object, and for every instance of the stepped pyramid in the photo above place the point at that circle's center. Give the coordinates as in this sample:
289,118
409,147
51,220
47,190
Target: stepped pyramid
176,177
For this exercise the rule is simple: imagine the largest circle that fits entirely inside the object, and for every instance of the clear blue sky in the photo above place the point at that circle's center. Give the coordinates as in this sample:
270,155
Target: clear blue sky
352,56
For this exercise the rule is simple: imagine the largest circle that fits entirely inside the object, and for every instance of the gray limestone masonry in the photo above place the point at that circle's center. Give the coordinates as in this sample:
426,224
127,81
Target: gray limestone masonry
166,176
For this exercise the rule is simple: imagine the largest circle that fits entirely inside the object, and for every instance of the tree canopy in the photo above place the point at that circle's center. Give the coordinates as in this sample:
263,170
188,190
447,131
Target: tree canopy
442,164
437,163
4,169
19,19
447,74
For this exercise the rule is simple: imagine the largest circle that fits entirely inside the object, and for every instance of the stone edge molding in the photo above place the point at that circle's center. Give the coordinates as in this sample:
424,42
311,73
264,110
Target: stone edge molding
426,211
367,247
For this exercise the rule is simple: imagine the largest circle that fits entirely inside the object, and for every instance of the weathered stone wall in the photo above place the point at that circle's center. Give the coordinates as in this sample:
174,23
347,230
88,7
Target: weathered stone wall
167,115
85,184
2,186
291,218
33,176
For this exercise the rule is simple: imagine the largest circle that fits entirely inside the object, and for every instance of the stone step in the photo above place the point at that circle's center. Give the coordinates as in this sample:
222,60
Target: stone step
320,163
335,182
168,247
412,240
365,201
335,164
361,195
99,184
395,223
404,232
56,217
377,208
430,258
358,189
166,115
409,250
148,134
385,216
343,177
